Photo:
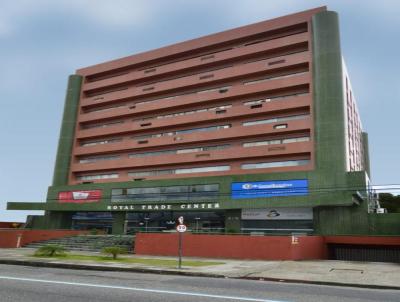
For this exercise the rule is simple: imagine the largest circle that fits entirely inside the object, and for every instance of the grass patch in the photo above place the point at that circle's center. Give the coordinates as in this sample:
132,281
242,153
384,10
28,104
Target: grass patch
146,261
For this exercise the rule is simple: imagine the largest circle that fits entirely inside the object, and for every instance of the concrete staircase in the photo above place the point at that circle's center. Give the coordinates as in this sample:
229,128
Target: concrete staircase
89,243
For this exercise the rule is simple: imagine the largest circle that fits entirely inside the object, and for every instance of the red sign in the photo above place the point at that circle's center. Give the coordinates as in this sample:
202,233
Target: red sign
79,196
181,228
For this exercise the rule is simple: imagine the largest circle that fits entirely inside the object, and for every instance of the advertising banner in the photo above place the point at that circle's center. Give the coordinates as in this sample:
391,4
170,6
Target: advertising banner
269,188
79,196
278,214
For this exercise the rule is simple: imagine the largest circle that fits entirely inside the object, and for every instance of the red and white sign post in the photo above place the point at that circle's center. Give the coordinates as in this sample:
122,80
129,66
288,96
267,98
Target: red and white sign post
180,228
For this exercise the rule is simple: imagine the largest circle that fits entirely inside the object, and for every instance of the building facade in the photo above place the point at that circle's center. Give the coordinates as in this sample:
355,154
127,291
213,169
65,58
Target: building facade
253,129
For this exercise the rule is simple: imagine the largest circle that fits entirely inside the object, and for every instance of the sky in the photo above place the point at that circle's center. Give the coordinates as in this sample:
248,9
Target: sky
44,41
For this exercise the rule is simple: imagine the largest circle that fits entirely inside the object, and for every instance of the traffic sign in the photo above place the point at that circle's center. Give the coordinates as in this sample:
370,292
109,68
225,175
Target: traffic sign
181,228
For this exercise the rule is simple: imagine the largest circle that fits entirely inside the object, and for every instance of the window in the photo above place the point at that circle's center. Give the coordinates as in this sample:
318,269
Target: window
185,131
219,89
179,151
98,158
179,171
150,70
98,176
276,119
277,141
274,77
207,57
207,76
222,107
106,92
103,125
151,173
185,192
105,108
276,164
256,102
273,98
296,140
202,169
276,62
107,141
148,88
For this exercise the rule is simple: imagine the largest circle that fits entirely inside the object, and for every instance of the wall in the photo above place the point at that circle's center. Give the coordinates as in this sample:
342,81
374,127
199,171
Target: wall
10,224
9,237
251,247
384,224
232,246
354,221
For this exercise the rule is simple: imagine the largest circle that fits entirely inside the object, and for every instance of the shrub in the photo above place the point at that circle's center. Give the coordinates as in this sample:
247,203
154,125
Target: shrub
50,250
231,231
114,251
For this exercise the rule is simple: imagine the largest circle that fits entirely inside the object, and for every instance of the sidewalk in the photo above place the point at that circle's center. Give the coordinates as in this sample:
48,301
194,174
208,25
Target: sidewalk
345,273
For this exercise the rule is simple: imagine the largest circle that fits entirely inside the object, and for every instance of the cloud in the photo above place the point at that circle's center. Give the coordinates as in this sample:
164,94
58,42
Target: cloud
111,14
116,13
4,28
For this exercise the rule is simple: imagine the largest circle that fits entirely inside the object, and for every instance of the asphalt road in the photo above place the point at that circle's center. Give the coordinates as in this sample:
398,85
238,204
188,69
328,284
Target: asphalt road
30,284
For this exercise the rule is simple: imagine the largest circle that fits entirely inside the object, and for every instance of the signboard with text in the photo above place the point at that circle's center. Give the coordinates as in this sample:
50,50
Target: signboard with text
164,207
272,188
87,196
278,214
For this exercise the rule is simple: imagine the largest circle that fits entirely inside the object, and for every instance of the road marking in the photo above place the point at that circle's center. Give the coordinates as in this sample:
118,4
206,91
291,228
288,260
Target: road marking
158,291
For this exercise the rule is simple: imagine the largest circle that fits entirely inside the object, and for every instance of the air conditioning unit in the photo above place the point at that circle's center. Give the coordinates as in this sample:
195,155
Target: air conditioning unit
381,211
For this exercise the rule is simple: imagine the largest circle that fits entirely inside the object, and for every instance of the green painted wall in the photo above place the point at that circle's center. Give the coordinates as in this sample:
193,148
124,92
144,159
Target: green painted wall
366,153
57,220
232,221
118,222
328,99
67,132
329,116
62,220
351,221
384,224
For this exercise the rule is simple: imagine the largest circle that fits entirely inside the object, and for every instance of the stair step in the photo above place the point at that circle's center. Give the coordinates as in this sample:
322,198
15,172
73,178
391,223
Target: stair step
94,243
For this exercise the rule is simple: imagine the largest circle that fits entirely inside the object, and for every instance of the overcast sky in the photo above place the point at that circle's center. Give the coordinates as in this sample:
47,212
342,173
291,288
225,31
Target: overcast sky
44,41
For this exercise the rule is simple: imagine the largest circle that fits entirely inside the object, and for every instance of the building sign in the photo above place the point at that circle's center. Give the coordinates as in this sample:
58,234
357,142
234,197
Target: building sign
269,188
278,214
79,196
164,207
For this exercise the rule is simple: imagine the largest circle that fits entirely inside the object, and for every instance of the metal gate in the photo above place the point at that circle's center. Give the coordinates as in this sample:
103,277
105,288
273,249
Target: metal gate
370,253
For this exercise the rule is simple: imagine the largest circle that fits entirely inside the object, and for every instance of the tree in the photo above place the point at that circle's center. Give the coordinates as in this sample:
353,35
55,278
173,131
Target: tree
114,251
390,202
50,250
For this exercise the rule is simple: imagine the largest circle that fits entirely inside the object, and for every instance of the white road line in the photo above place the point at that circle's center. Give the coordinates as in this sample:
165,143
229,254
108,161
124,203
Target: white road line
158,291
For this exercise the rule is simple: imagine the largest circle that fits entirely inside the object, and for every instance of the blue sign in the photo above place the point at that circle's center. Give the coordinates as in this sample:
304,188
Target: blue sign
269,188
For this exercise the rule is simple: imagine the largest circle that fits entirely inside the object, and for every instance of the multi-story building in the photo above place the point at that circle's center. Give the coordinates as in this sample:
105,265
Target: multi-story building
253,129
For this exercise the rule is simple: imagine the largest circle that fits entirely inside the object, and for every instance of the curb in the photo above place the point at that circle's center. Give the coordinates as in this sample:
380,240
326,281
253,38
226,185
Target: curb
328,283
183,273
106,268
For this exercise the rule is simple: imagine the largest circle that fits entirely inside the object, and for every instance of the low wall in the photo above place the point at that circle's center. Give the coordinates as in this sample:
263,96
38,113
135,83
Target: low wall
232,246
14,225
9,237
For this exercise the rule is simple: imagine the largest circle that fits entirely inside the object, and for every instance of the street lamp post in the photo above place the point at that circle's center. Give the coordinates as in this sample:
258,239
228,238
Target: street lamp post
197,224
146,219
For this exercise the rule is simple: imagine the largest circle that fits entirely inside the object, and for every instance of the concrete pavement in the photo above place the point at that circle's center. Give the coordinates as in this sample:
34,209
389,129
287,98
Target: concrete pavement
346,273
